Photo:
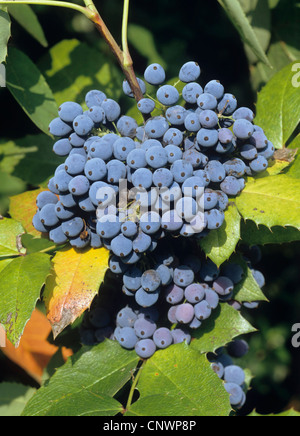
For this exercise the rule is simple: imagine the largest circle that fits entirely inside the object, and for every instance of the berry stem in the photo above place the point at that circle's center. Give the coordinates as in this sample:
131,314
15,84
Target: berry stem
127,57
122,56
134,385
91,12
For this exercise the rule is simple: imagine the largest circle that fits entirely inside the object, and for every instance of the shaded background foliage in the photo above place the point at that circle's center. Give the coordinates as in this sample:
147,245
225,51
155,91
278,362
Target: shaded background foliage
173,33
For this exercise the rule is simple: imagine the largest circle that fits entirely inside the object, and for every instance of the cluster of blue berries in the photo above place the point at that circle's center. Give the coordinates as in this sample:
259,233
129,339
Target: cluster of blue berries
181,166
178,172
164,297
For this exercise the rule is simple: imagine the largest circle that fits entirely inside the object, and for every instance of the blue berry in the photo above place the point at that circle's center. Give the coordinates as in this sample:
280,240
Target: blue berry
112,109
215,88
155,74
191,92
94,98
189,72
167,95
145,348
57,127
83,125
163,338
146,106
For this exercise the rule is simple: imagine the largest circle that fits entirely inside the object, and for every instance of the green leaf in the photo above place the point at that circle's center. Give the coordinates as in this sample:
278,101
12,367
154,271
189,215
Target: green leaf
4,263
220,244
4,33
259,16
86,384
142,40
10,232
294,170
34,245
11,154
30,89
222,327
236,14
10,185
13,398
271,201
285,23
261,235
278,108
248,290
180,382
30,158
27,18
21,283
295,143
71,78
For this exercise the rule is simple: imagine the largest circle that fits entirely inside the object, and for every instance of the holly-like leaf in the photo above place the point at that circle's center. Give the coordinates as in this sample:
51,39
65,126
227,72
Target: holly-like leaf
30,89
247,290
10,234
27,18
220,244
271,201
70,78
4,32
23,208
86,384
74,282
262,235
222,327
236,14
278,108
13,398
179,382
34,351
21,283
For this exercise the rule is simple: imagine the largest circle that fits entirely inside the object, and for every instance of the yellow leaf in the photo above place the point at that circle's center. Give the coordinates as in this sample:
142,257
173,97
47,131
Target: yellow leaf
74,282
23,208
